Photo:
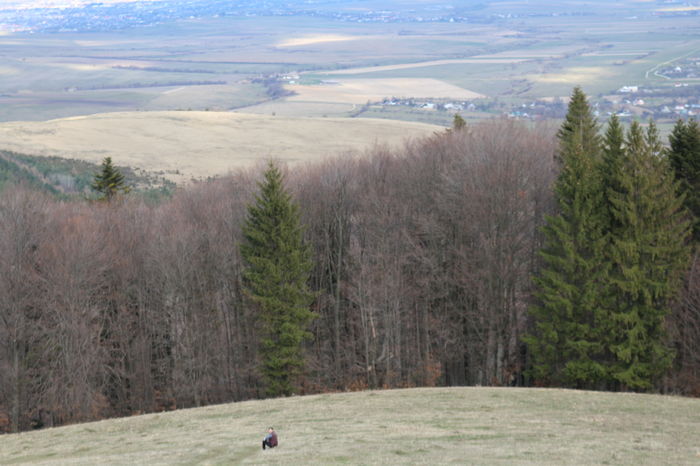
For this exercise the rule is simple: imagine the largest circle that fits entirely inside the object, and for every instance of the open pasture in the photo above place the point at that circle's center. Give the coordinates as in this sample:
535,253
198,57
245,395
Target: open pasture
502,426
360,91
186,145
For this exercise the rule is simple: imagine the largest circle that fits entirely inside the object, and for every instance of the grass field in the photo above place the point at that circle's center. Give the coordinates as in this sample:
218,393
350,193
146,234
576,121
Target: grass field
186,145
415,426
360,91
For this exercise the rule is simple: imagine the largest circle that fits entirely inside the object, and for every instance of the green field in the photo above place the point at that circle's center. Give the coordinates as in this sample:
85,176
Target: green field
414,426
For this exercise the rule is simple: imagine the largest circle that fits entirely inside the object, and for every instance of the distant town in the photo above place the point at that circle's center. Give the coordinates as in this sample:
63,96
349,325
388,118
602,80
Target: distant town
628,102
42,16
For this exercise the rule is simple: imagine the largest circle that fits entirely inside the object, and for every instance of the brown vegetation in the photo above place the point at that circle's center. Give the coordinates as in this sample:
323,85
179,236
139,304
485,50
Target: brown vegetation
423,258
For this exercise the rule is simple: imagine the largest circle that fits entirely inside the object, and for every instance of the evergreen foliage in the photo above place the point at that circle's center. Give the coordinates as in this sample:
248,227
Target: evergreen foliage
579,127
648,254
278,266
613,155
684,156
109,181
566,346
613,259
458,123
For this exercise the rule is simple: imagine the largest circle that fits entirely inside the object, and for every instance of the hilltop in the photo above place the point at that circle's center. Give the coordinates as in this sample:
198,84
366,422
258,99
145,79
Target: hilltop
413,426
186,145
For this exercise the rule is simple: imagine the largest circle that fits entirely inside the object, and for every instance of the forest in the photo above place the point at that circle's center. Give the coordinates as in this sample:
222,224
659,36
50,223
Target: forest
423,264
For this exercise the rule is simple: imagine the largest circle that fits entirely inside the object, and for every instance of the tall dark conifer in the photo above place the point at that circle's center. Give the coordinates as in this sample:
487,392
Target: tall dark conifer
564,345
684,155
648,254
579,127
278,266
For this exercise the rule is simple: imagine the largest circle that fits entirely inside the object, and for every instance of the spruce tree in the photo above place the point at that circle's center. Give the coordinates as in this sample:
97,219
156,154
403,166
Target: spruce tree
579,126
564,346
648,254
684,156
458,123
109,181
278,266
613,154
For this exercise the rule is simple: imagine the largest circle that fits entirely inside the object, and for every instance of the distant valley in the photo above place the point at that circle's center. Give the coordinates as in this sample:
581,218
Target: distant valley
417,61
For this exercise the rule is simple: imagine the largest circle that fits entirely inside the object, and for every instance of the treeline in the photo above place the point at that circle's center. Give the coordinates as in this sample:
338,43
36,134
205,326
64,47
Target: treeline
615,254
422,256
423,259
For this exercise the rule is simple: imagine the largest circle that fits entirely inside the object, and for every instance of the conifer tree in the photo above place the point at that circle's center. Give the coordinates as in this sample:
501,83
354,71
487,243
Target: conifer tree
109,181
564,345
458,123
684,156
580,126
278,266
648,254
613,154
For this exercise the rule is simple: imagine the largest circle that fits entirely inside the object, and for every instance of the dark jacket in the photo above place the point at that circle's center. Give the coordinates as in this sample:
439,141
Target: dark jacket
271,439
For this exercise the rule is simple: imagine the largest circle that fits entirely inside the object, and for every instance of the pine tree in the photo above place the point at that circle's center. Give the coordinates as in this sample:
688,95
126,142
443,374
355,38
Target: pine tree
109,181
613,156
278,266
648,255
579,127
684,156
564,345
458,123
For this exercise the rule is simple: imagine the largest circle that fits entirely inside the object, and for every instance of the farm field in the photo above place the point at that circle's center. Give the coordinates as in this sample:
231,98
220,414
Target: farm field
513,53
186,145
412,426
359,91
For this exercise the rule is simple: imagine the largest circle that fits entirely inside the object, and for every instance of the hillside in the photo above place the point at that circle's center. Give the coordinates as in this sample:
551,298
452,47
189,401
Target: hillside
185,145
414,426
66,178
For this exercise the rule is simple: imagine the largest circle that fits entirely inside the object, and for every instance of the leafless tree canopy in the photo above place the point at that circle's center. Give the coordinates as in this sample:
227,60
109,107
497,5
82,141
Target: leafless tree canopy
423,258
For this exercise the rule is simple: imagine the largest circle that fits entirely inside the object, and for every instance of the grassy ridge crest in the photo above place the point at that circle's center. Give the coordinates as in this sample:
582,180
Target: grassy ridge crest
412,426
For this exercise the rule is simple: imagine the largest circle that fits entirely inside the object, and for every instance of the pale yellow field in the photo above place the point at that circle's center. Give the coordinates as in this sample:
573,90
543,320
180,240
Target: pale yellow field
680,8
188,145
359,91
317,39
575,75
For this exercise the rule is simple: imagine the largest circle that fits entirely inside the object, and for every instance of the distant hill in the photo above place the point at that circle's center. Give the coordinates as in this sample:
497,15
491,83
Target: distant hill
414,426
65,178
185,145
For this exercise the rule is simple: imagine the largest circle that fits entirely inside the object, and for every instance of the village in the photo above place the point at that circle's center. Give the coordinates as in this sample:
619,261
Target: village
628,102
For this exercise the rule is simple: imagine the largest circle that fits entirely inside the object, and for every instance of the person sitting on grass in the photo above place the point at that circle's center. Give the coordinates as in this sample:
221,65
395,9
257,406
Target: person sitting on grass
270,439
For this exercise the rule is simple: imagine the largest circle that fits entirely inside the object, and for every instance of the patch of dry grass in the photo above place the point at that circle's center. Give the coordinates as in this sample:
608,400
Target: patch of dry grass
360,91
415,426
188,145
679,9
575,75
317,39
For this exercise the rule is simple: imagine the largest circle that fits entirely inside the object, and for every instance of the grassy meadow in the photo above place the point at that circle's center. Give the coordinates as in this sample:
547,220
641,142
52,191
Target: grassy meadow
181,146
412,426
